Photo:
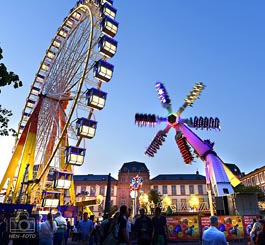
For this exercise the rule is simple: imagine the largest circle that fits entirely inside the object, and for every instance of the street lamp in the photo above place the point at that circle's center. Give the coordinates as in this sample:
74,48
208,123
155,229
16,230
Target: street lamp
143,199
194,202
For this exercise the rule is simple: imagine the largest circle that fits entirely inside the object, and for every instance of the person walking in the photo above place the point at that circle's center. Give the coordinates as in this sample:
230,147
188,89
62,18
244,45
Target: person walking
255,230
260,238
47,230
85,228
143,228
160,230
122,221
75,236
212,236
61,228
92,236
109,233
67,231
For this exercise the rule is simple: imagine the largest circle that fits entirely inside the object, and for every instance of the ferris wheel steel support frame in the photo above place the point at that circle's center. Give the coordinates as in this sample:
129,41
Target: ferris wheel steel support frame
28,139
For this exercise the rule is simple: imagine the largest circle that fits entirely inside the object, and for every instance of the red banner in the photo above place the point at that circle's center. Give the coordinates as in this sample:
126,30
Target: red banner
247,223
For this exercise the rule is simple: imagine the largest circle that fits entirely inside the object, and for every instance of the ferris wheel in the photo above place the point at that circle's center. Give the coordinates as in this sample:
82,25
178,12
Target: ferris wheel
59,115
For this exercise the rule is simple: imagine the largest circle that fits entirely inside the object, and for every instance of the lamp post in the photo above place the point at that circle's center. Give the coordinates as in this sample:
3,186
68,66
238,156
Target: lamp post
135,184
133,195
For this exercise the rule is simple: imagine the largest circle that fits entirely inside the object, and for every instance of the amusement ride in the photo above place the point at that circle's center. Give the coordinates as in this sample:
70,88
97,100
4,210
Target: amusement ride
219,179
58,116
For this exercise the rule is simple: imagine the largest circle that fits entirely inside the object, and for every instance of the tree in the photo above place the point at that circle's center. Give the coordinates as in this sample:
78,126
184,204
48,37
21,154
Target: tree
255,189
154,196
7,78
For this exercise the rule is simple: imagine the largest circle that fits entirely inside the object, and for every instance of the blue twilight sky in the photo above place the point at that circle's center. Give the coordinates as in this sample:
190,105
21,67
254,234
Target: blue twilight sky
177,42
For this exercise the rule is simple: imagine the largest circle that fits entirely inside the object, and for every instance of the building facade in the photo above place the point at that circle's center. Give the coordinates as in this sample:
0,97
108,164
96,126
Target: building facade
180,188
255,178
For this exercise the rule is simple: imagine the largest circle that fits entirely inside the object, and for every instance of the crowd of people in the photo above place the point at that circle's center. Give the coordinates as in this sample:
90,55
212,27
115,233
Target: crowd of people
121,228
54,231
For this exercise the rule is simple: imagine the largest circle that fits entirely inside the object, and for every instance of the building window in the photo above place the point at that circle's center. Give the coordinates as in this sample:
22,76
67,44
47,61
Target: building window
102,190
191,187
123,201
200,189
112,190
123,179
249,182
156,188
261,177
253,181
182,190
183,204
83,188
164,189
92,190
173,190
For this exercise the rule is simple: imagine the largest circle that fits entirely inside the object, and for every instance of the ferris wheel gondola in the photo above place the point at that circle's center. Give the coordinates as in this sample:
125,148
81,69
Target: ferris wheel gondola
59,111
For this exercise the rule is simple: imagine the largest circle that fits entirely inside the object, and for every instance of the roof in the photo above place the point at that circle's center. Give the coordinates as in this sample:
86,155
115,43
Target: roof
234,169
179,177
257,170
134,167
92,177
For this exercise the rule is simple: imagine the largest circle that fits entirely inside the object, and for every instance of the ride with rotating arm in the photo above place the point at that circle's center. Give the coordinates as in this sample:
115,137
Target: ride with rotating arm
219,179
58,116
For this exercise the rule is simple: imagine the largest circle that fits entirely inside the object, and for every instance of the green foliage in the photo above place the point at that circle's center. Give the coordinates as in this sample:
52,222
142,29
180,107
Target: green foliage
251,189
4,119
169,211
7,78
154,196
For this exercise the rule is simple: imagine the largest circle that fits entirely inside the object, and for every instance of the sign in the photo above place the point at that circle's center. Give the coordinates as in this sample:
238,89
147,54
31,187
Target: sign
86,203
183,228
231,226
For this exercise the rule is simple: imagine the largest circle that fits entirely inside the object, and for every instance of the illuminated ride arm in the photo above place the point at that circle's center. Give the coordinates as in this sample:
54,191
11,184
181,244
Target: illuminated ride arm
215,172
